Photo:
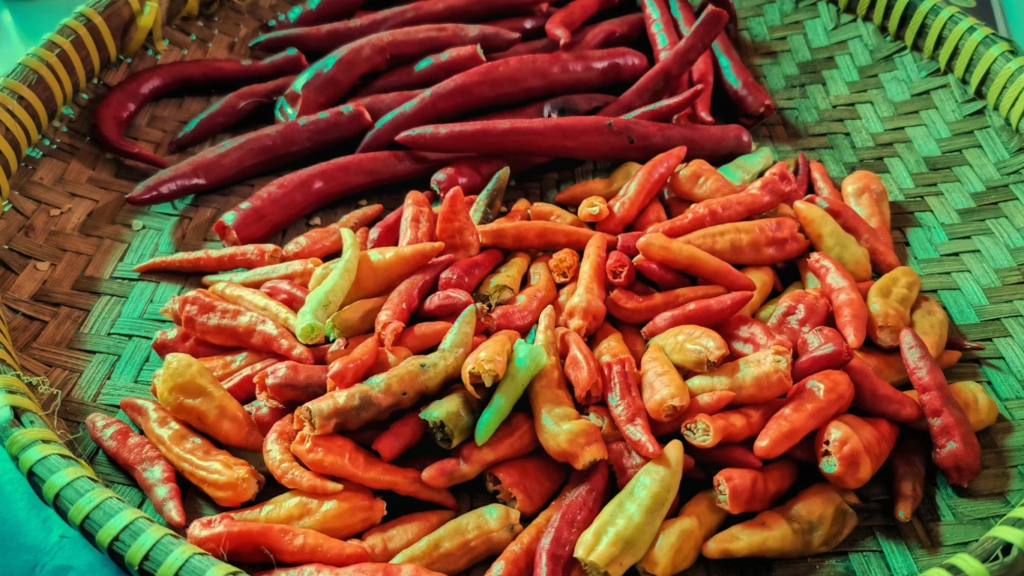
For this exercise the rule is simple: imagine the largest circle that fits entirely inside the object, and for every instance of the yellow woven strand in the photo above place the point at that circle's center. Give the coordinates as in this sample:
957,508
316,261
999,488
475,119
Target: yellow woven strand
116,525
143,24
1010,534
1002,78
86,504
950,44
22,115
39,68
158,35
915,22
936,29
879,13
136,9
100,23
967,52
5,186
20,439
970,565
9,359
23,91
58,67
90,45
12,383
19,401
1018,111
58,481
4,332
8,152
76,61
177,559
14,128
897,14
222,570
191,9
862,8
986,62
1011,96
142,545
33,455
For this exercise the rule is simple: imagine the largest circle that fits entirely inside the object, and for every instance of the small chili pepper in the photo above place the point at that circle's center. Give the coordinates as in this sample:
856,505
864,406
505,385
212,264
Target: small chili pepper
708,312
640,190
848,307
550,213
866,194
756,378
503,284
727,456
821,182
397,389
765,280
141,459
883,258
663,390
677,545
324,241
605,188
651,215
286,292
748,167
256,542
580,505
293,383
297,271
626,527
564,265
708,404
313,13
829,238
355,319
930,323
473,175
593,209
622,390
815,521
266,412
585,310
565,20
335,455
176,339
633,308
228,480
956,450
797,313
763,195
285,468
452,418
242,385
877,397
909,463
536,235
762,242
619,269
514,437
708,431
385,541
427,71
522,312
741,490
599,416
889,366
662,276
455,226
214,259
400,436
518,212
698,181
524,363
851,449
488,362
418,220
445,303
980,408
810,404
464,541
580,367
526,484
405,298
889,303
822,348
693,348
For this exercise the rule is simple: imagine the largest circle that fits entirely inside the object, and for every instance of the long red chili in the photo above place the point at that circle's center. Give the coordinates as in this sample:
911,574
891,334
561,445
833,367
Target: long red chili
622,391
313,12
471,175
537,76
554,556
707,312
640,190
877,397
426,72
562,23
290,197
378,105
248,155
530,25
406,298
703,70
661,31
324,241
468,273
665,110
117,109
849,309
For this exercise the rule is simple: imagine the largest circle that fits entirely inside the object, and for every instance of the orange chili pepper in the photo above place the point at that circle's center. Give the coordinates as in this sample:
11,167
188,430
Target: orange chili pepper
292,383
706,312
455,227
654,213
519,211
763,242
605,188
810,404
355,319
503,284
418,220
324,241
821,182
298,271
551,213
622,390
521,313
619,269
797,313
537,235
564,265
697,181
445,303
708,403
765,280
385,541
580,366
980,408
423,336
851,449
526,484
633,339
212,319
585,310
740,490
515,437
467,274
599,416
593,209
880,250
224,366
694,348
828,237
663,390
381,269
756,378
352,368
633,308
625,206
214,260
258,543
464,541
931,324
864,192
388,359
679,539
693,261
708,431
565,293
277,454
848,308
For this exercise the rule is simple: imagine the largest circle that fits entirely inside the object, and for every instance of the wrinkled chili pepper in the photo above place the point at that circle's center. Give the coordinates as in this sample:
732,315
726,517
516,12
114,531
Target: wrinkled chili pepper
514,437
708,431
400,436
214,259
355,319
382,269
756,378
286,292
379,105
865,192
418,220
536,235
640,190
524,363
405,298
652,214
708,403
798,312
266,412
909,465
593,209
329,291
298,271
622,390
224,366
526,484
848,307
889,303
141,459
285,468
660,275
765,280
519,211
930,323
877,397
759,242
452,418
255,301
828,237
552,213
455,226
117,109
663,390
761,196
445,303
564,265
176,339
740,490
293,383
698,181
693,348
605,188
522,312
228,480
692,260
324,241
503,284
633,339
764,313
580,367
486,365
631,307
579,506
385,541
677,545
242,384
565,293
851,449
361,569
255,542
585,310
821,182
889,366
464,541
707,312
822,348
746,335
883,258
426,72
810,404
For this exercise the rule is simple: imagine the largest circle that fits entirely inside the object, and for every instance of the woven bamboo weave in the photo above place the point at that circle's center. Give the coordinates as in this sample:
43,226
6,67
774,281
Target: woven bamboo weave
848,94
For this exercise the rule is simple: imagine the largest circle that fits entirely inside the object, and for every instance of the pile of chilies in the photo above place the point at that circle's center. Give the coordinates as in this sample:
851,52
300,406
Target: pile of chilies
534,354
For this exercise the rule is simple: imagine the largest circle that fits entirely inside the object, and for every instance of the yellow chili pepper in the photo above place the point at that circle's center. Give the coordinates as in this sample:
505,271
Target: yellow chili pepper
889,302
764,313
324,300
256,301
357,318
663,390
929,320
503,284
764,278
464,541
693,347
980,408
677,545
628,525
486,365
826,235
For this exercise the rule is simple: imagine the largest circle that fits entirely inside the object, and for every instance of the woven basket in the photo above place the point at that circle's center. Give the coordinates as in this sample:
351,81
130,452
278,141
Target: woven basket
848,93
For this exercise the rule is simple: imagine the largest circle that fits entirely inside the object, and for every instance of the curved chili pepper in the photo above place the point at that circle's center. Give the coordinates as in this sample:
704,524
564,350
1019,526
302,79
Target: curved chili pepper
633,308
741,490
487,364
518,212
579,506
930,323
708,312
693,348
426,72
266,412
242,385
821,183
661,32
552,213
727,456
662,276
761,196
756,378
692,260
698,181
605,188
652,214
851,449
522,312
621,31
799,312
117,109
467,274
224,366
865,192
828,237
889,302
176,339
455,227
621,389
214,259
293,383
324,241
663,390
565,20
311,13
514,437
581,367
679,539
849,309
765,279
565,293
385,541
708,431
980,408
909,463
640,190
286,292
883,258
464,541
255,301
524,363
877,397
256,542
285,468
382,269
452,418
526,484
822,348
746,335
503,284
445,303
298,271
758,242
810,404
709,403
585,310
400,436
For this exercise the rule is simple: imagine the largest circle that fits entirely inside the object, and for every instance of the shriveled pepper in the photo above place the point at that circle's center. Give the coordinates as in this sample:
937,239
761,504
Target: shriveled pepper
809,405
526,484
406,298
593,209
763,242
813,522
418,220
224,366
799,312
176,339
625,206
851,449
909,465
980,408
293,383
455,227
524,363
464,541
446,303
486,365
697,181
338,456
864,192
605,188
214,320
931,324
298,271
708,431
622,390
228,480
552,213
580,367
522,312
339,515
619,269
634,308
585,310
503,285
889,302
877,397
214,259
956,450
623,531
266,412
822,348
256,543
401,435
277,454
849,309
141,459
764,313
565,293
515,437
740,490
385,541
692,347
353,367
286,292
663,390
324,241
677,545
708,403
827,236
580,505
707,312
756,378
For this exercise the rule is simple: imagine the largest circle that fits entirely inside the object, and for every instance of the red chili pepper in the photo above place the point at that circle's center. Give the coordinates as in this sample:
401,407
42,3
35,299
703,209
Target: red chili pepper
418,220
526,484
640,190
557,107
580,506
378,105
117,109
662,276
455,226
400,436
703,70
486,86
242,385
958,343
726,456
622,390
848,308
255,542
661,31
619,269
286,292
810,404
426,72
214,259
176,339
537,235
406,298
385,233
568,18
821,348
580,137
266,412
631,307
883,258
293,383
694,261
955,447
326,37
140,458
354,366
708,312
666,73
653,213
667,108
621,31
328,80
746,335
798,312
467,274
324,241
515,437
822,183
709,430
879,398
277,454
522,312
313,12
707,403
529,26
228,111
288,198
580,367
743,490
472,175
445,303
217,321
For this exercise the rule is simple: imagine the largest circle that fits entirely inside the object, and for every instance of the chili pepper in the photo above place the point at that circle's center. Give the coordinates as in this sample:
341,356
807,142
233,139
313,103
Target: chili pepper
263,543
284,200
487,363
848,307
692,260
297,271
224,366
877,397
746,336
727,456
605,188
446,303
255,301
386,360
385,232
266,412
418,220
634,341
600,417
708,404
529,25
398,388
909,465
581,367
568,18
356,318
488,203
293,383
339,456
708,312
564,265
889,366
536,235
464,541
117,109
467,274
503,284
633,308
400,436
621,390
625,528
229,481
551,213
828,237
980,408
640,190
889,302
585,310
883,258
930,323
379,105
661,32
519,557
664,110
593,209
285,468
765,280
328,291
361,569
810,404
692,347
677,544
518,212
382,269
662,276
523,311
759,242
455,226
822,348
524,363
698,181
803,176
797,313
176,339
663,390
851,449
756,378
708,431
652,214
313,13
286,292
526,484
473,175
405,298
956,450
761,196
821,182
385,541
748,167
740,490
565,293
141,459
426,72
579,506
242,385
214,259
324,241
621,31
866,194
514,437
451,419
960,343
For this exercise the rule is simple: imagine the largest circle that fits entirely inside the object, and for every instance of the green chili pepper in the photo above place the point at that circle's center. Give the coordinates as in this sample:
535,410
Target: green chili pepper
488,203
526,361
451,418
748,167
327,298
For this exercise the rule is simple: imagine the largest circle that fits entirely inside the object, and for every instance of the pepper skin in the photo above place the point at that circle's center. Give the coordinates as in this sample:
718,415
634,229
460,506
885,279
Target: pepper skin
362,569
883,258
813,522
552,213
242,384
464,541
762,242
722,207
515,437
537,76
956,450
117,109
708,431
418,220
663,277
285,468
663,390
980,408
708,312
518,558
473,175
848,307
176,339
828,237
486,365
889,302
324,241
406,298
740,490
821,182
930,322
141,459
214,259
625,206
692,348
756,378
877,397
766,280
580,367
652,214
526,484
522,312
298,271
909,465
385,541
693,261
797,313
585,311
286,292
293,383
866,194
698,181
851,449
622,390
677,545
579,137
455,227
605,188
467,274
536,235
625,528
564,265
565,20
228,480
580,506
822,348
633,308
746,335
339,456
810,404
426,72
524,363
257,543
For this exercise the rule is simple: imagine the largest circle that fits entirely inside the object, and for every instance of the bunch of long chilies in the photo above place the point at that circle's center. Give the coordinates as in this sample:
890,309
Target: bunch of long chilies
564,357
